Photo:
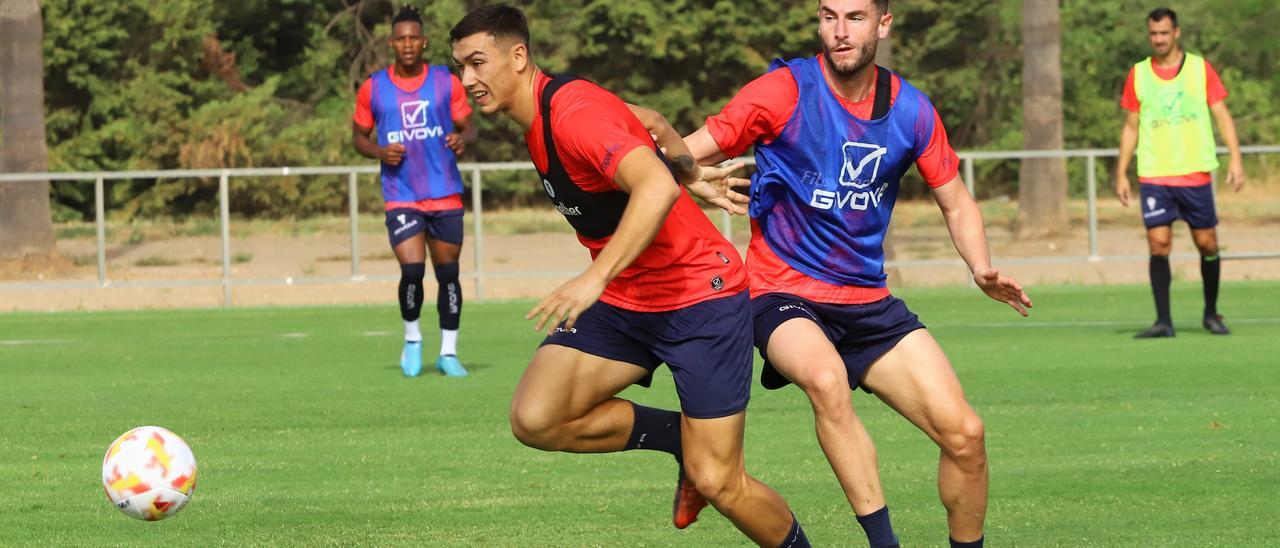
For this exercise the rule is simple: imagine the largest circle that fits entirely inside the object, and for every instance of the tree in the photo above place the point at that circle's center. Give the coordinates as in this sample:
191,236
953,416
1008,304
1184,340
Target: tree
1042,183
25,225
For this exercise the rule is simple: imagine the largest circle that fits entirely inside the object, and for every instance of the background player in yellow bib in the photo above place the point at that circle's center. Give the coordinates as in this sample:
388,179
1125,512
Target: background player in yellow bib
1169,97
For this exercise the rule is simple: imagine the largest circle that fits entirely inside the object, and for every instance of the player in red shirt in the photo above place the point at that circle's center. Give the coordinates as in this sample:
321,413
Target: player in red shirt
663,286
833,134
420,112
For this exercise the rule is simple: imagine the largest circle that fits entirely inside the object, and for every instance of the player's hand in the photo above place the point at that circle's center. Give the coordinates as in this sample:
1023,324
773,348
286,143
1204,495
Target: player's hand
1235,174
1002,288
567,302
714,186
392,154
1122,189
455,143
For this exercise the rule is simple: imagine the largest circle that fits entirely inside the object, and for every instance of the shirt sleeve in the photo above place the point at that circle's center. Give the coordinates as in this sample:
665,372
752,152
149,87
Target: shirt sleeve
1216,91
758,113
1129,101
459,107
364,105
592,136
939,163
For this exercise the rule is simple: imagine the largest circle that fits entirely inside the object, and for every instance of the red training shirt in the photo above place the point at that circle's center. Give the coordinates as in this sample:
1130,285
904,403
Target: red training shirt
594,130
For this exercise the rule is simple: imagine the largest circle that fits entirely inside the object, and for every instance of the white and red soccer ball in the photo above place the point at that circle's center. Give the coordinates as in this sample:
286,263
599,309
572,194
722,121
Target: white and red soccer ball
149,473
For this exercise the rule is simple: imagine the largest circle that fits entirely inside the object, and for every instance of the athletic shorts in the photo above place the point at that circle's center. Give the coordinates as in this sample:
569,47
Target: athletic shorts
406,223
707,347
1162,205
861,333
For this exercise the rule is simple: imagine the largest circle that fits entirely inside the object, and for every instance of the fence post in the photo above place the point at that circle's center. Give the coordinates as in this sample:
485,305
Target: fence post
1091,166
968,177
100,219
353,209
726,225
477,216
224,206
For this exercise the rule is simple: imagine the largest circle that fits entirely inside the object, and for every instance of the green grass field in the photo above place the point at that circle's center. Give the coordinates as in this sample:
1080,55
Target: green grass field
308,435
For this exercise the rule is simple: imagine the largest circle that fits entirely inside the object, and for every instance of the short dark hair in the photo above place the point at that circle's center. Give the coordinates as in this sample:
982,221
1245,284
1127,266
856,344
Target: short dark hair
1159,14
882,5
500,20
408,14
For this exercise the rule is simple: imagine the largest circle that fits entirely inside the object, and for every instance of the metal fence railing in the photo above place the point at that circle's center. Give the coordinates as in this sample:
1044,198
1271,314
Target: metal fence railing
478,274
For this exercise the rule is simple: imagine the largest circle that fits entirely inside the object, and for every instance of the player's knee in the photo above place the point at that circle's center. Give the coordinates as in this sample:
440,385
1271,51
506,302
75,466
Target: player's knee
828,389
1208,249
447,273
413,272
966,442
535,428
718,482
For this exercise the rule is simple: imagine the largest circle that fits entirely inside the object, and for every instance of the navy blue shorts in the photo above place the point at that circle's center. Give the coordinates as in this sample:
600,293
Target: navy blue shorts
861,333
406,223
707,346
1162,205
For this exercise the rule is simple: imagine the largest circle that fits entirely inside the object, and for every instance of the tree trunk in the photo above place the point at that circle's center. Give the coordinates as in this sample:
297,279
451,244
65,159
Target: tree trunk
25,223
1042,183
884,58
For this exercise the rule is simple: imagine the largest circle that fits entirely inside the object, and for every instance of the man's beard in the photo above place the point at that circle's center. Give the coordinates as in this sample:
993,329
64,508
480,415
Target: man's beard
865,56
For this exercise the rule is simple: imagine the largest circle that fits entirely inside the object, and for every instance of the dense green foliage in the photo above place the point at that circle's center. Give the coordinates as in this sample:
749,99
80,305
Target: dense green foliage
129,87
307,435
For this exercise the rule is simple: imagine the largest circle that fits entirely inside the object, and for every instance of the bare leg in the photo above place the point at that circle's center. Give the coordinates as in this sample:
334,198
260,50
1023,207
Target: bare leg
713,459
916,379
565,402
801,352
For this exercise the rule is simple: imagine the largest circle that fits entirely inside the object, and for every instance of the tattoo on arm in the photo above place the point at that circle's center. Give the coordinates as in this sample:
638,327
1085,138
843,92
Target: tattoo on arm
684,167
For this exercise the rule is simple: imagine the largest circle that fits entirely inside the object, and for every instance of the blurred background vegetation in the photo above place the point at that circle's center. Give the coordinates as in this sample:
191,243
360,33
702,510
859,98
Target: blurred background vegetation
159,84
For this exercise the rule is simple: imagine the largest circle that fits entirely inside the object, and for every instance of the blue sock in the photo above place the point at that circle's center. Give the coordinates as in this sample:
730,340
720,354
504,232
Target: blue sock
878,528
795,537
975,544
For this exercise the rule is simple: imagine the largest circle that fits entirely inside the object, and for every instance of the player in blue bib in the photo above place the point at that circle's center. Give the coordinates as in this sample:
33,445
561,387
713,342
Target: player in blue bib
833,135
410,116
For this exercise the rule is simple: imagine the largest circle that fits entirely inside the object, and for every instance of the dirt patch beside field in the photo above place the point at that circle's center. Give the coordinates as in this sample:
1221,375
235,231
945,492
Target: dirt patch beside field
523,259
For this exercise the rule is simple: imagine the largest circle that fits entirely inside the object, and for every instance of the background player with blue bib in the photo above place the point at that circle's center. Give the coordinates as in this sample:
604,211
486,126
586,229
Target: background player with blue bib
419,112
833,135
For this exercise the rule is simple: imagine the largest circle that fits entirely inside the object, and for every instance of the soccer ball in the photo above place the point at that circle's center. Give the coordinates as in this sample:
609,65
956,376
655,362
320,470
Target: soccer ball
149,473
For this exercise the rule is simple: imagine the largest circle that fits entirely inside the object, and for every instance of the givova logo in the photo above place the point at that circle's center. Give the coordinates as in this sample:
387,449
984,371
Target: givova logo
861,164
413,123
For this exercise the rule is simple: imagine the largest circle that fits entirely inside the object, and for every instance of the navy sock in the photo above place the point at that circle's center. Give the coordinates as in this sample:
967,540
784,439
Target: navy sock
1210,272
975,544
449,296
795,537
1161,277
410,293
878,528
656,430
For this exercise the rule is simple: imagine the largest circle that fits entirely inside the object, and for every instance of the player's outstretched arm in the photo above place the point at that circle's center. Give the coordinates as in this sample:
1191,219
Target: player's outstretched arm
712,184
964,221
1227,127
653,193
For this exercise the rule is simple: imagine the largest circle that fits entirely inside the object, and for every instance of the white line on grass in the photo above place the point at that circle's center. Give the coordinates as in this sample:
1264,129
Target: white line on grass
295,335
25,342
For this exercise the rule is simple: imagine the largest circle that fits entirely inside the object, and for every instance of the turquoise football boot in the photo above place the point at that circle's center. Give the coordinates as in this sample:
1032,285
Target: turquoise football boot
450,366
411,358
